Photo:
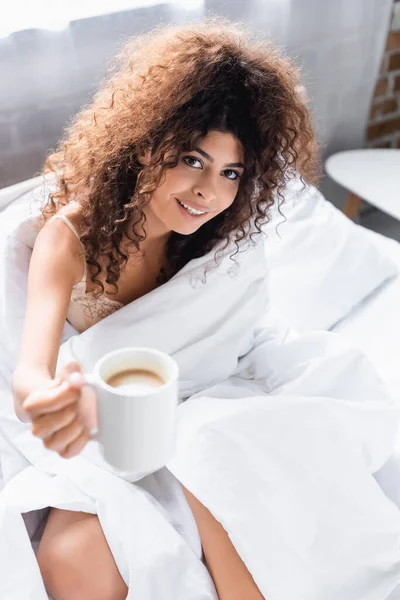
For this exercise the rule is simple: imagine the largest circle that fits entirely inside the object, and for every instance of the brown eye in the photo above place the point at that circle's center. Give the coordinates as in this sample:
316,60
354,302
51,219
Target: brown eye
187,158
237,175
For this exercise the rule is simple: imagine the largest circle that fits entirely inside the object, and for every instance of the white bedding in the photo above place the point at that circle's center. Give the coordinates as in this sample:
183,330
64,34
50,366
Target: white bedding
374,328
282,436
322,265
374,325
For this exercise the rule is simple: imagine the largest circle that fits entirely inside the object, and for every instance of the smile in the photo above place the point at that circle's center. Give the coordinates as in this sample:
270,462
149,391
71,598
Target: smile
192,211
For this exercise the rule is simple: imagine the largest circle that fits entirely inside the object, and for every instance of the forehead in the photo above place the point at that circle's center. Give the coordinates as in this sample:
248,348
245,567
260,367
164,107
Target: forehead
222,143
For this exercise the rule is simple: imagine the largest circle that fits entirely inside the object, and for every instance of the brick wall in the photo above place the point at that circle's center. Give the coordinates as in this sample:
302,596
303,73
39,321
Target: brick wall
384,121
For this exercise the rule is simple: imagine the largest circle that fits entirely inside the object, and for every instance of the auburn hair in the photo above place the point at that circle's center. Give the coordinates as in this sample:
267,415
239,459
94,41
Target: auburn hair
164,91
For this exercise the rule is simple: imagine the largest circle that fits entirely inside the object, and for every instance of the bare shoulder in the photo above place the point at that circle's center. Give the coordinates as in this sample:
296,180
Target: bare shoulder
61,243
72,211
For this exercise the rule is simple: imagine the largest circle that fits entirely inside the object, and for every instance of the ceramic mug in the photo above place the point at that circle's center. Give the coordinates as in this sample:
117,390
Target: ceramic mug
136,429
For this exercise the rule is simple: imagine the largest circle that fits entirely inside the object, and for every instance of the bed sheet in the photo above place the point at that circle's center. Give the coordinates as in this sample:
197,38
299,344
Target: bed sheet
374,325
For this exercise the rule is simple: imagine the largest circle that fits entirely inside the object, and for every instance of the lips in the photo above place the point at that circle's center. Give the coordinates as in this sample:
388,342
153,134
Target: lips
186,214
194,206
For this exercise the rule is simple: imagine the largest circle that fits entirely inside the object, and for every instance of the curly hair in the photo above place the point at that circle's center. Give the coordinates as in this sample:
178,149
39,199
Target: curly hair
170,87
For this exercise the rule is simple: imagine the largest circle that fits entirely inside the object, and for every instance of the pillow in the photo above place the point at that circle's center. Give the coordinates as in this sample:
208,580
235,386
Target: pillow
322,265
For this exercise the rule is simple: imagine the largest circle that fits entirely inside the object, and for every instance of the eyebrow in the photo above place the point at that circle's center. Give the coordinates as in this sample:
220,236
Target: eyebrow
210,158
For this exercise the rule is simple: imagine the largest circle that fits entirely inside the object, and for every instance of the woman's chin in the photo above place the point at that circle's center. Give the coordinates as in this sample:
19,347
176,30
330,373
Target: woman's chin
188,227
178,224
183,228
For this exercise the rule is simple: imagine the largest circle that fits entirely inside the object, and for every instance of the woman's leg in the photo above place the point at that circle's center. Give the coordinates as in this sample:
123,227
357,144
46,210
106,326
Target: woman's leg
231,577
75,560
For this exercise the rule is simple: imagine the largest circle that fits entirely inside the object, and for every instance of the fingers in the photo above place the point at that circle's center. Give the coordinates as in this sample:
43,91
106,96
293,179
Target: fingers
64,432
46,425
55,413
51,399
76,446
62,438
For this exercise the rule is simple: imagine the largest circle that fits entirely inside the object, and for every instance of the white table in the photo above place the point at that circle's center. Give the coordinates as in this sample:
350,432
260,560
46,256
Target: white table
369,174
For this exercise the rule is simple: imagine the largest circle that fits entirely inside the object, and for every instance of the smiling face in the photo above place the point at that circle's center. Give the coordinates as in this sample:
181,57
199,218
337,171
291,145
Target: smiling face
203,184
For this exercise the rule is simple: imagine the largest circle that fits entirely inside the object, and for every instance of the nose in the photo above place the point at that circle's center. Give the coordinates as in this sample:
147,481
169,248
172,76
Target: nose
205,193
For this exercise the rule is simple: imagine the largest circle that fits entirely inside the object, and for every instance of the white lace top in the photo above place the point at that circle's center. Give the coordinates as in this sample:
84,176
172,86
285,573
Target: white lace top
84,309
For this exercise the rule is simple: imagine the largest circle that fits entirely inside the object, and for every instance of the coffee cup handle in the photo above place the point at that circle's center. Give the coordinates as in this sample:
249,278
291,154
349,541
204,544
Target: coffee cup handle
92,380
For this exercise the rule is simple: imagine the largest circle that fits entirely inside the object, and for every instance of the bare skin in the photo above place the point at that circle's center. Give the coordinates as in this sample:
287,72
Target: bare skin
74,558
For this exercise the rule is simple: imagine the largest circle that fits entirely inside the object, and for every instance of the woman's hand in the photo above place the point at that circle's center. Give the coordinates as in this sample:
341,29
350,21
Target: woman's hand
62,413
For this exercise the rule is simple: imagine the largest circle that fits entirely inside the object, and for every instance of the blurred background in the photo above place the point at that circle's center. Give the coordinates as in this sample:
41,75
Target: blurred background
53,55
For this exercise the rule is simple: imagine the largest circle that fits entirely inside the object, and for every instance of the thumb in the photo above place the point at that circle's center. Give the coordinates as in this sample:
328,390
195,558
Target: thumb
66,371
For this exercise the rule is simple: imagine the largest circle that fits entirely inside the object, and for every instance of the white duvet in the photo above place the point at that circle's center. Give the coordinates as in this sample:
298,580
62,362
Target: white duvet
278,434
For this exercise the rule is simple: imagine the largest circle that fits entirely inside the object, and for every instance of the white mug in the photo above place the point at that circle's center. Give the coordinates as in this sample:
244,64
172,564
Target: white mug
136,430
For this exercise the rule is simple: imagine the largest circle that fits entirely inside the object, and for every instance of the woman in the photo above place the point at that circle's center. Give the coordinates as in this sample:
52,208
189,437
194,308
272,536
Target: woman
187,145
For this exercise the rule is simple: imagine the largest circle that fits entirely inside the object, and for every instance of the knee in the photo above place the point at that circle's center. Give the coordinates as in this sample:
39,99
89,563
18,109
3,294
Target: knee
69,571
60,566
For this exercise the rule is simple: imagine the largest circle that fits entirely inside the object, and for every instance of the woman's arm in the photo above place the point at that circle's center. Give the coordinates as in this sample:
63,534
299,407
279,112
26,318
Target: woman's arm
54,268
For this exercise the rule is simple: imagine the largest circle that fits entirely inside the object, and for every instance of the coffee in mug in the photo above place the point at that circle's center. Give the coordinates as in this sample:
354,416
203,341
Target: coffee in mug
135,381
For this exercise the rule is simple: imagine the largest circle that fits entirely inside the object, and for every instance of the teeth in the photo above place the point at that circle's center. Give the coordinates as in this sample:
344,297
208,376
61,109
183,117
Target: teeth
192,211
